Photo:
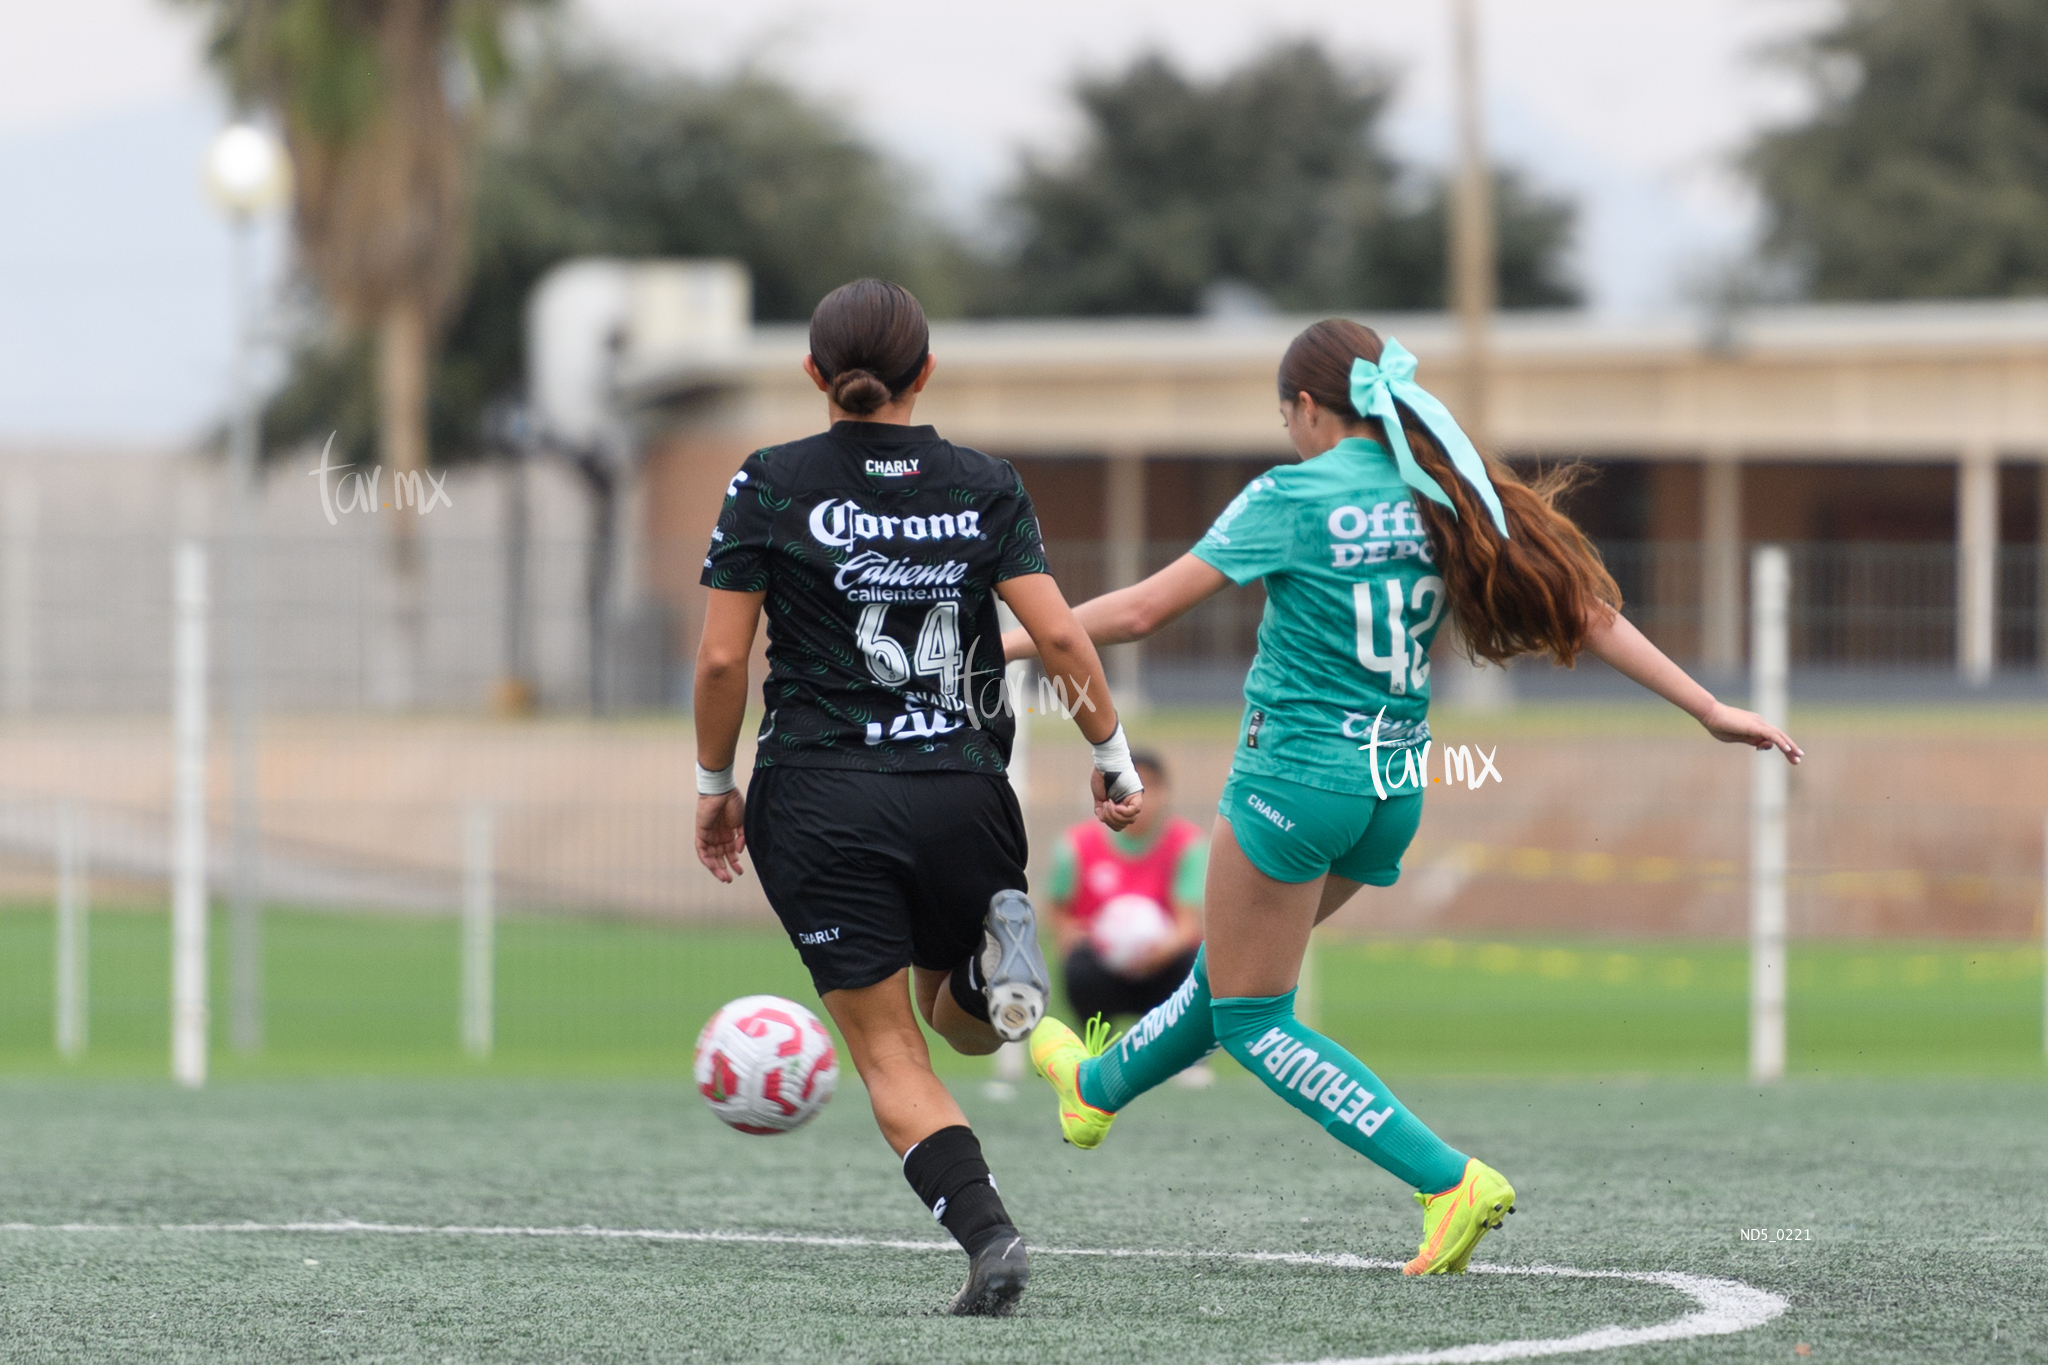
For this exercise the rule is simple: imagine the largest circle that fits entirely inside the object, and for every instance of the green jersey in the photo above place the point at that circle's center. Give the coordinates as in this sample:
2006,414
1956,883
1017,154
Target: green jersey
1352,603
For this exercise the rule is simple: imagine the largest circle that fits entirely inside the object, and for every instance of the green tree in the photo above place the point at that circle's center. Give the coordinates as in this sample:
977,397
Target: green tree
1272,177
379,215
586,155
1409,264
1923,171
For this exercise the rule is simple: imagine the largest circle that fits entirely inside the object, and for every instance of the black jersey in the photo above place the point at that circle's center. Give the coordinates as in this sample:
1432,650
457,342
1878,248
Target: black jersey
879,547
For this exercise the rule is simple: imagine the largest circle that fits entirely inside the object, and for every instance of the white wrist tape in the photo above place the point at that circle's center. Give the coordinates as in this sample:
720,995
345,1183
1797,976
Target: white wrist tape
1113,761
718,783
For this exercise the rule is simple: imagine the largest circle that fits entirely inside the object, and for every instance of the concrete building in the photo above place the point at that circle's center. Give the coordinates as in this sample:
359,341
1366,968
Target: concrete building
1921,428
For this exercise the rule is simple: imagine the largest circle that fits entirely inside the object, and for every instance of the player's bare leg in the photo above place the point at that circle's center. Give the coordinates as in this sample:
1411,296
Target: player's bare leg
963,1032
889,1052
942,1158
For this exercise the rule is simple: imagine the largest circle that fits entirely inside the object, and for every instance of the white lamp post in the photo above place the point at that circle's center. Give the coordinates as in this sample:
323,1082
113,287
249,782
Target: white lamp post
248,172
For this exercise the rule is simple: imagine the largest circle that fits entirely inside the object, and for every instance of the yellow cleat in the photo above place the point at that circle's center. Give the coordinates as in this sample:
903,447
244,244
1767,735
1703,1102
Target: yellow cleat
1057,1054
1454,1221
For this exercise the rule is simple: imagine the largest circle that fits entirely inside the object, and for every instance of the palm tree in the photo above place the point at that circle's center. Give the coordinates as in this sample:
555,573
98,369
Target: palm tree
360,88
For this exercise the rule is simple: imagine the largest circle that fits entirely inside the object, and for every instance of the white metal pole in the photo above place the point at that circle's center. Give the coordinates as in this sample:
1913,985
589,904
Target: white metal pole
1017,680
72,997
479,912
2044,938
1770,586
189,1020
1017,695
1123,539
245,951
1977,567
18,514
1721,569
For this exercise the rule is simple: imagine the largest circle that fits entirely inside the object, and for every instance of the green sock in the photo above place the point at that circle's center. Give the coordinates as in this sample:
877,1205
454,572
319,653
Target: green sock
1335,1089
1166,1042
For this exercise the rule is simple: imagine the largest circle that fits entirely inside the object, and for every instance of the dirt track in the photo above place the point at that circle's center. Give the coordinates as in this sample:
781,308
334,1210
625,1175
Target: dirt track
1608,820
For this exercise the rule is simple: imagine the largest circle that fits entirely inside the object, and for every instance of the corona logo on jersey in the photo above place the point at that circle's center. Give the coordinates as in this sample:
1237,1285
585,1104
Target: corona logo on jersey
843,523
765,1065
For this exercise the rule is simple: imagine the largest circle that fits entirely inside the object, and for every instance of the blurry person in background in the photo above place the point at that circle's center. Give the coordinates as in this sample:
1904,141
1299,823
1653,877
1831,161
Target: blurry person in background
1126,906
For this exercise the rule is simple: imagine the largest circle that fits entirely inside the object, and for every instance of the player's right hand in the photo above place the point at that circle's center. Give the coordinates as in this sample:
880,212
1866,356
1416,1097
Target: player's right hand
1118,815
722,834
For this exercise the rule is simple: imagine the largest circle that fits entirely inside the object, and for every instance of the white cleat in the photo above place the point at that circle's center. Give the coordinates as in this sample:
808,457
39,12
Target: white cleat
1015,981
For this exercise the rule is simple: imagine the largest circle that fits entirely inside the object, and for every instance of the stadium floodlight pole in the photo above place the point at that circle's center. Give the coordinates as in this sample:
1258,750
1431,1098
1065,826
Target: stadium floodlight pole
1770,588
1473,245
247,171
72,976
479,915
189,1020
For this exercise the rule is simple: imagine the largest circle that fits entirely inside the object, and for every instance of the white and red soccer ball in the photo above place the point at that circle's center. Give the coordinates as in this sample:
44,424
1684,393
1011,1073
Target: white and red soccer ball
1128,930
766,1065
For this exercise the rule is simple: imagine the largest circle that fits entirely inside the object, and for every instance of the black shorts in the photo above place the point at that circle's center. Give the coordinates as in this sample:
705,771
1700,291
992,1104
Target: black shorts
874,872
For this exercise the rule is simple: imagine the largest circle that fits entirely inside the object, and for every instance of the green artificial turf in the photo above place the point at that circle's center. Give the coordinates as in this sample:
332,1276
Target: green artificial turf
362,994
1929,1241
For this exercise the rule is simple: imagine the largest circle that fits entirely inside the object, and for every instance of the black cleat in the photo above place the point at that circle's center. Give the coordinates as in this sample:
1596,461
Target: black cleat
995,1279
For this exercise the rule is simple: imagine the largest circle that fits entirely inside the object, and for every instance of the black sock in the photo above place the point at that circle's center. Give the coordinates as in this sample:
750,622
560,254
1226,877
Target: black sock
948,1173
966,985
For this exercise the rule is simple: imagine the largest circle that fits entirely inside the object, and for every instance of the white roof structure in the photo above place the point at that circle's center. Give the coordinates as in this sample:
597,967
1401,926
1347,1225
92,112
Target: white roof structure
1897,382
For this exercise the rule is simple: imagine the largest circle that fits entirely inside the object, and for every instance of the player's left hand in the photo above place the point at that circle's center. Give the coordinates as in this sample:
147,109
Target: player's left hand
1117,815
722,834
1733,726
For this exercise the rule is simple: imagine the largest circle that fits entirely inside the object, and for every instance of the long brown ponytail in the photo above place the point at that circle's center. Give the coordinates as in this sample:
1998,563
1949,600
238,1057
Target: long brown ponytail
1543,589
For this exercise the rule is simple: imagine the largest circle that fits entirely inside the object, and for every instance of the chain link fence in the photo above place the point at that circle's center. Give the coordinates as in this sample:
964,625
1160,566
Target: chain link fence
376,740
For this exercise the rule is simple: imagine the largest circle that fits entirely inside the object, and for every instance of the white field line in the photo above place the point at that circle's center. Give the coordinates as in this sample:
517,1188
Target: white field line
1721,1307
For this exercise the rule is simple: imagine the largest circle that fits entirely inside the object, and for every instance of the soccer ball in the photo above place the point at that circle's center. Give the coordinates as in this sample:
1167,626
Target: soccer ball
766,1065
1128,929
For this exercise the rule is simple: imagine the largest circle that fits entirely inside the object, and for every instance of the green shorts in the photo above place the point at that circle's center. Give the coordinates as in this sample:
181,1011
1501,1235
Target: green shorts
1294,833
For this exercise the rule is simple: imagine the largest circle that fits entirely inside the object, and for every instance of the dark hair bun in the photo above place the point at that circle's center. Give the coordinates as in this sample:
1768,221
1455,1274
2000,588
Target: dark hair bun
859,392
870,341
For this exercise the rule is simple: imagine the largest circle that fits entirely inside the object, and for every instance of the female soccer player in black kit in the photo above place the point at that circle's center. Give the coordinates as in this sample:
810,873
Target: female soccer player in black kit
884,829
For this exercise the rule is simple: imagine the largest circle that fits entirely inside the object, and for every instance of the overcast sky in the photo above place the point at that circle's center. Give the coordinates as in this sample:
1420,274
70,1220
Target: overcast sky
114,325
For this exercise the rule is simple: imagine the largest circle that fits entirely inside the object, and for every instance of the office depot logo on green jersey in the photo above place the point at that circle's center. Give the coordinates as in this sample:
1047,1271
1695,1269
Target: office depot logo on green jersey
1390,531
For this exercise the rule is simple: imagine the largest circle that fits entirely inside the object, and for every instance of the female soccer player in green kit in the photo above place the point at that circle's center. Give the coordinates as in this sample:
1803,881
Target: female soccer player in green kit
1325,792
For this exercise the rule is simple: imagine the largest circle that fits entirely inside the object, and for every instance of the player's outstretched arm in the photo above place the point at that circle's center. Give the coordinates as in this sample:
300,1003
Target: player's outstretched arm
730,620
1133,613
1619,644
1071,663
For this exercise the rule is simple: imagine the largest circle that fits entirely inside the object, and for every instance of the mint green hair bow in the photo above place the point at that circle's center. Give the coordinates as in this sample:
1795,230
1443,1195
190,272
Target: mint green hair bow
1374,391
